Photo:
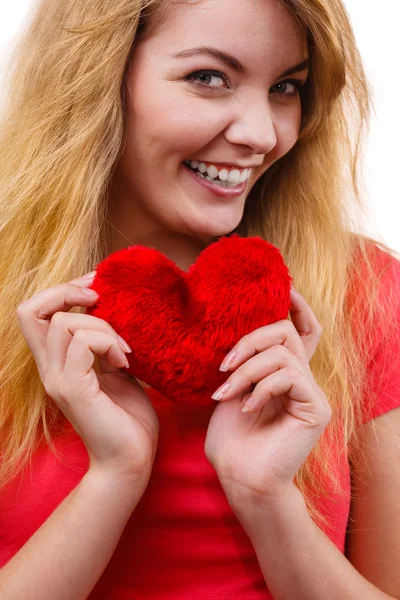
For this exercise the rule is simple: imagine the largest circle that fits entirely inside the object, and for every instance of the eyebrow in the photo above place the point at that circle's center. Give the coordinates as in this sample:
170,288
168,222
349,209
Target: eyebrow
232,62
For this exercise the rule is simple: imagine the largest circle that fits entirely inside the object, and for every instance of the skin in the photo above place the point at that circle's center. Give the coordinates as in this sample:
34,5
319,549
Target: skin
167,121
249,120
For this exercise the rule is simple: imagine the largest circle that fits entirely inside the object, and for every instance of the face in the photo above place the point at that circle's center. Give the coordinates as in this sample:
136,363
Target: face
232,117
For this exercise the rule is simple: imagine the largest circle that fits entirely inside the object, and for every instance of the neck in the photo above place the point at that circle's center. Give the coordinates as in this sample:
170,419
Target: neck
129,226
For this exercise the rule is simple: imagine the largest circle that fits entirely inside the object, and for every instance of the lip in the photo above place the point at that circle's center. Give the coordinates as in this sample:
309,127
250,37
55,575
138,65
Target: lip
222,192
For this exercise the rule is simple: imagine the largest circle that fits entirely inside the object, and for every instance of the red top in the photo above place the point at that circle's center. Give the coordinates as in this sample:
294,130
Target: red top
182,540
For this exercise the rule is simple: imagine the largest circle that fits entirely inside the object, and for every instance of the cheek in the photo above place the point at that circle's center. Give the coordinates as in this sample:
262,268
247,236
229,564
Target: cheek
179,125
189,122
287,127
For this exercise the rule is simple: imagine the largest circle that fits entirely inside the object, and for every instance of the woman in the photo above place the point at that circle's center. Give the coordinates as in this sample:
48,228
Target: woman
111,491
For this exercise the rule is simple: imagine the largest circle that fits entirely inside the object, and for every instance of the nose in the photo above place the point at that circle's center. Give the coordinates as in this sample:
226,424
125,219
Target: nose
253,126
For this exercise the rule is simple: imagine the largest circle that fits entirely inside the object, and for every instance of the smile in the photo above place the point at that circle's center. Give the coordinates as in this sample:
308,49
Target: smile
218,188
222,177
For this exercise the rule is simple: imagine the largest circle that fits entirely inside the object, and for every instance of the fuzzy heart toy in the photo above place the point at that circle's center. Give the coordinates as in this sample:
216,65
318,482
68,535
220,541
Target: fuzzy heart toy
181,325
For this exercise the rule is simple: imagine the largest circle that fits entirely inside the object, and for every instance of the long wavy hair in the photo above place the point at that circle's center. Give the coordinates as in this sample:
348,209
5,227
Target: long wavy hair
61,137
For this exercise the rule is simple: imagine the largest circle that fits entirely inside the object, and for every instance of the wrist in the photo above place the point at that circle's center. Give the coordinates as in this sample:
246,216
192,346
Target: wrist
131,486
250,506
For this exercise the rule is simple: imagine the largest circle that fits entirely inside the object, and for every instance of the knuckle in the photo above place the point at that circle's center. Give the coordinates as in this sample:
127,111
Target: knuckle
106,327
280,351
294,373
288,327
242,377
68,286
72,293
244,343
263,387
81,336
22,310
58,319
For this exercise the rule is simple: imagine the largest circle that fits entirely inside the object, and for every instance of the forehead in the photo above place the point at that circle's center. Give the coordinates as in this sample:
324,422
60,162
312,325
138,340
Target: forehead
257,30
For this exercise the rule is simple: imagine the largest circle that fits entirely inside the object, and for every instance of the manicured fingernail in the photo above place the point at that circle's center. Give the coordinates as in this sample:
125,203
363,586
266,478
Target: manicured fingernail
228,361
221,391
89,292
90,275
123,343
249,405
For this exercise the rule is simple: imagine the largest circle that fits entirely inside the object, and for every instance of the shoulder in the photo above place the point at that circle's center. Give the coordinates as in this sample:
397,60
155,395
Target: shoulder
375,261
387,327
375,321
384,364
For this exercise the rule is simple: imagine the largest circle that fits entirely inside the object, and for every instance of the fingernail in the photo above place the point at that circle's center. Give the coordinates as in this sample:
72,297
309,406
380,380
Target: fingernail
221,391
89,292
123,343
249,405
227,362
90,275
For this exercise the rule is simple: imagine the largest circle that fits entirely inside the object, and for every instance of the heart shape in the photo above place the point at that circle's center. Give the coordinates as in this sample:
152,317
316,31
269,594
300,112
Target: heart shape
181,325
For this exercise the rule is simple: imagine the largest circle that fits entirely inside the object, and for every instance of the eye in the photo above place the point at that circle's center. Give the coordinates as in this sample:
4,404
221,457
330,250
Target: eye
208,79
211,80
294,85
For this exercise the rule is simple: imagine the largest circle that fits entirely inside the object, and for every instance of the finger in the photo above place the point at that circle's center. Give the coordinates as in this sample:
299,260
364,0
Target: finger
78,377
302,399
35,314
62,328
255,369
305,322
84,280
280,333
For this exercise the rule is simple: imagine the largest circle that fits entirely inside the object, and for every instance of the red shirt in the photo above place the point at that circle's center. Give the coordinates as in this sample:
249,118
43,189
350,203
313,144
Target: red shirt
182,540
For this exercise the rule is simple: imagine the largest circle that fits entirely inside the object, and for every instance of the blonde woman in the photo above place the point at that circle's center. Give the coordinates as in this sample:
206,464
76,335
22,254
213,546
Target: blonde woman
115,111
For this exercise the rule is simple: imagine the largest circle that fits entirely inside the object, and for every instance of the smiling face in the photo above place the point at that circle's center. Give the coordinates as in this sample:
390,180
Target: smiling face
239,111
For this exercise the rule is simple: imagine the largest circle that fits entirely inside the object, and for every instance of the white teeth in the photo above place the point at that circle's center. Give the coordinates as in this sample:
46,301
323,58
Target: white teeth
244,175
217,182
234,176
212,172
223,175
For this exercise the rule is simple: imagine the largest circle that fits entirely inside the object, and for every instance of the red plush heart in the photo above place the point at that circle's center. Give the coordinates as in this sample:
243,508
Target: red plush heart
181,325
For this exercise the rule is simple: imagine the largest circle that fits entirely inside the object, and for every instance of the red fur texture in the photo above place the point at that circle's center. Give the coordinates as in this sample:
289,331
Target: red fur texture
181,325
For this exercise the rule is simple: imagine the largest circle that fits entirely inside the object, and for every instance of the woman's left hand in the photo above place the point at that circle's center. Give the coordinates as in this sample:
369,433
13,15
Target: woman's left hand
259,452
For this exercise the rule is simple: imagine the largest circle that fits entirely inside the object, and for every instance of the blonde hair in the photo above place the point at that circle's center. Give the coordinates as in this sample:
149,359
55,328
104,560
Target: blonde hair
61,136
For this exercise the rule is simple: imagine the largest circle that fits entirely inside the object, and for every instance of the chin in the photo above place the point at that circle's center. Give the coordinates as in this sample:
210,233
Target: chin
210,231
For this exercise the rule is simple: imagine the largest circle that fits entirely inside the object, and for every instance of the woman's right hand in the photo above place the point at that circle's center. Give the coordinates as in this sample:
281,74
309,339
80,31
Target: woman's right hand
110,411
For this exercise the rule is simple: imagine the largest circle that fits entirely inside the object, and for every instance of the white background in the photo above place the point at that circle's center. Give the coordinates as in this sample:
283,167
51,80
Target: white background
377,32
